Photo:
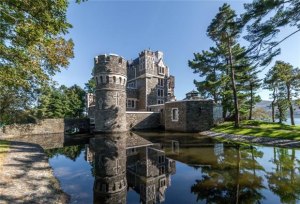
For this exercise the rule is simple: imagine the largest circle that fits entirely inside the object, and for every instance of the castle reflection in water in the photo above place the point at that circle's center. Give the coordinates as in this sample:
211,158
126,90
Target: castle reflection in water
128,161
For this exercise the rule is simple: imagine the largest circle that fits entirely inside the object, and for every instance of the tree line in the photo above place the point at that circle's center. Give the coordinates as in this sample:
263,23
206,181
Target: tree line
230,70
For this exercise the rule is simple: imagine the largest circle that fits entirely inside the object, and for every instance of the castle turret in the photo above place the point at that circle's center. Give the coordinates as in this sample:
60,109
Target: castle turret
109,167
110,74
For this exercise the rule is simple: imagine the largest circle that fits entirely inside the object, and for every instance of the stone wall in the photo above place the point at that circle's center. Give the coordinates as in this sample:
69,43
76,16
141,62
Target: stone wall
142,120
193,115
46,141
199,115
46,126
82,124
179,125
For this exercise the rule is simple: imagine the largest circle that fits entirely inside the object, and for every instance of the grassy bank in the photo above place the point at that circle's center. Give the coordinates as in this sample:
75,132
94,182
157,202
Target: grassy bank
261,129
4,147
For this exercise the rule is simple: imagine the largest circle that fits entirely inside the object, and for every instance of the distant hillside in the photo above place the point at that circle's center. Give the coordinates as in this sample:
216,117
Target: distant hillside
266,105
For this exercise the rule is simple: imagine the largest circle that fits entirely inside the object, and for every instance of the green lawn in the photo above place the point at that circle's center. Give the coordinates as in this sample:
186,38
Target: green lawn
4,147
260,129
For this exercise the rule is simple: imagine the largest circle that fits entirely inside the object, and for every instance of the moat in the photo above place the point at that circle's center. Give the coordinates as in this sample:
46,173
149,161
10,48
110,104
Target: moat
173,168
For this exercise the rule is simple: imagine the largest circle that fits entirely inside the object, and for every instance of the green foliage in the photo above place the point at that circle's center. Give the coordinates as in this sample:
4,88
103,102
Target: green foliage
32,49
15,105
31,43
61,102
90,86
71,152
264,20
284,82
228,77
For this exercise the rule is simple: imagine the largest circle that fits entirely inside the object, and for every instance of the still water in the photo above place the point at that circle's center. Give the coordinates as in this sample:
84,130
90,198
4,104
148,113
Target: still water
174,168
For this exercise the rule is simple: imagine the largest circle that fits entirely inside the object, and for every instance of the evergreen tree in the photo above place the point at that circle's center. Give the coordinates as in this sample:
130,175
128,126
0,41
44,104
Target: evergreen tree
224,31
289,84
270,83
264,20
283,81
62,102
90,86
229,78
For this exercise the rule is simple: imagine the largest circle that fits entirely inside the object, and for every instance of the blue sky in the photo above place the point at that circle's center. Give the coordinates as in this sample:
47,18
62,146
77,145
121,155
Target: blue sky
178,28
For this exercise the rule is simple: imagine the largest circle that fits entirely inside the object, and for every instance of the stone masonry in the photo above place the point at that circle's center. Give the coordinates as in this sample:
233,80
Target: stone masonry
110,74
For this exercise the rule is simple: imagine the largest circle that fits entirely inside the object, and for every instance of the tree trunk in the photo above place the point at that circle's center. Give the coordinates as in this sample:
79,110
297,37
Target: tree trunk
290,104
273,112
232,76
251,102
280,114
273,105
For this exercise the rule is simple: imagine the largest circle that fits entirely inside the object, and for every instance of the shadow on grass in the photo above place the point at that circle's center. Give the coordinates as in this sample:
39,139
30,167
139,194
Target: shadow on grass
261,129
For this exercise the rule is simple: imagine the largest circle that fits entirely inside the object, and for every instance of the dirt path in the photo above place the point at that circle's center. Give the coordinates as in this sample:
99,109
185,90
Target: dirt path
26,177
268,141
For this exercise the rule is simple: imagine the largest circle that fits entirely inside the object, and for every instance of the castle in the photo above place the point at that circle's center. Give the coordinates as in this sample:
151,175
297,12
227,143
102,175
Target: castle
148,81
139,94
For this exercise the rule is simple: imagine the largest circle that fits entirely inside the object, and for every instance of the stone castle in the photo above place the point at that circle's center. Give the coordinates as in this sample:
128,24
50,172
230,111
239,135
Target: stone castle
139,94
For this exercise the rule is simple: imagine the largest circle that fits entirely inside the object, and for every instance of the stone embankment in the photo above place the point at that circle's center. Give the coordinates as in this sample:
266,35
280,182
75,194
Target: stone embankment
26,177
268,141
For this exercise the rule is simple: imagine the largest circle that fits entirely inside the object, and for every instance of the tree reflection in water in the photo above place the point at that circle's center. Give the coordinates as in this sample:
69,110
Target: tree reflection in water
71,152
232,178
284,180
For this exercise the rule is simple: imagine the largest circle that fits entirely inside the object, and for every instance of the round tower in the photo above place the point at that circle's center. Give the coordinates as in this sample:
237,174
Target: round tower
110,74
110,185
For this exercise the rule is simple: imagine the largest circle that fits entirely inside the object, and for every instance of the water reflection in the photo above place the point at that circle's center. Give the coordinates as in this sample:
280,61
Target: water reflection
206,172
232,178
107,153
284,179
122,161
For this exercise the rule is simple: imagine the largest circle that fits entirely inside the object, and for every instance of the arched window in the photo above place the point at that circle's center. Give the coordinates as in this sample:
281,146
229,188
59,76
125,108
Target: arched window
101,79
120,80
114,78
107,79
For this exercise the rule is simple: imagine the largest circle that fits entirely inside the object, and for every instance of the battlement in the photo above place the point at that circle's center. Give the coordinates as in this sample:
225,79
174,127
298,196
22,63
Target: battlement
110,63
102,79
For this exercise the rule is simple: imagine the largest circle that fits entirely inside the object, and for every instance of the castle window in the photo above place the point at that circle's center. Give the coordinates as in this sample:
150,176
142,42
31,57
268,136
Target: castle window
107,79
161,170
120,60
159,101
114,78
161,159
160,92
160,82
162,182
131,85
175,115
120,80
101,79
161,70
130,103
